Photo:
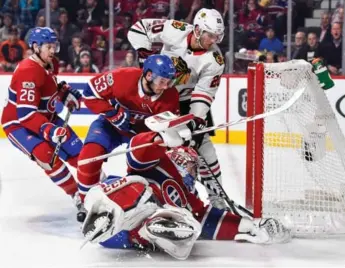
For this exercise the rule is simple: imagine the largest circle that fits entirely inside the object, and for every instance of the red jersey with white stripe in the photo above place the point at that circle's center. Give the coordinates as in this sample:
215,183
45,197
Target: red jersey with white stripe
31,97
153,164
124,87
205,67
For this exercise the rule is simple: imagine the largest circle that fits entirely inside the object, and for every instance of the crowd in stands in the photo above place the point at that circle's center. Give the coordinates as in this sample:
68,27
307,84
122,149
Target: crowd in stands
82,27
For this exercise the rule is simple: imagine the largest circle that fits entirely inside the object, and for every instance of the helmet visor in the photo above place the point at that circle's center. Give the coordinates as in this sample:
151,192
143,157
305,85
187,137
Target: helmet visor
55,46
162,81
214,37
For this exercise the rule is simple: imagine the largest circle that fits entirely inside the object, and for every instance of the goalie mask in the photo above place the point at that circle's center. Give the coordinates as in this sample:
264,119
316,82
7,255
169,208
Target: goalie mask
186,161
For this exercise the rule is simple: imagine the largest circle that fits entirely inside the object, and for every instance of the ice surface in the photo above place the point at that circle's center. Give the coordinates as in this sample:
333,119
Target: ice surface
38,227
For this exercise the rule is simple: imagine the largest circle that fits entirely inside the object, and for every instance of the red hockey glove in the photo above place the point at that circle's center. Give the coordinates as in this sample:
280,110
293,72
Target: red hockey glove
54,133
119,117
69,97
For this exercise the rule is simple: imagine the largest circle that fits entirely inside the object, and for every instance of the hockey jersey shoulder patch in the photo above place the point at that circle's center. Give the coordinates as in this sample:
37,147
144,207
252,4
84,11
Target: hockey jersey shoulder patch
219,58
179,25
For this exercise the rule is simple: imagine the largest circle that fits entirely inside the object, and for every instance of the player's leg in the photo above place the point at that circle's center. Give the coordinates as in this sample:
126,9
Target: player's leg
102,138
41,151
208,152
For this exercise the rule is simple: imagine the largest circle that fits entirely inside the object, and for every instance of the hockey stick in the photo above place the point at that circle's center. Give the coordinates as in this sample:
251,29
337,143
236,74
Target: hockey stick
58,145
221,193
285,106
282,108
104,156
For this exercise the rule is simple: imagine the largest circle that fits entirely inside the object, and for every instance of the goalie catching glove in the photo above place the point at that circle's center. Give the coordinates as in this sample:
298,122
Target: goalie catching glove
263,231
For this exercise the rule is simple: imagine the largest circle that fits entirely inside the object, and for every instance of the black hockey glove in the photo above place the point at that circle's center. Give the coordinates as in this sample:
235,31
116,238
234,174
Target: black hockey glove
196,124
143,54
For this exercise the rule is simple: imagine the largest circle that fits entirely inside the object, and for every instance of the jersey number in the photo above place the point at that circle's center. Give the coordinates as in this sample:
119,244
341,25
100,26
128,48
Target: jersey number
157,28
103,82
27,95
215,81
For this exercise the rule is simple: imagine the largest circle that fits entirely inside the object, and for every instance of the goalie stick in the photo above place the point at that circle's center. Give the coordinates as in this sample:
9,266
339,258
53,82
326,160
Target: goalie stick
282,108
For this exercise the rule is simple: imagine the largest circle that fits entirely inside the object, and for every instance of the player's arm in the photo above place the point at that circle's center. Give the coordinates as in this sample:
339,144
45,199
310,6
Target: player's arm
145,32
98,94
207,86
28,100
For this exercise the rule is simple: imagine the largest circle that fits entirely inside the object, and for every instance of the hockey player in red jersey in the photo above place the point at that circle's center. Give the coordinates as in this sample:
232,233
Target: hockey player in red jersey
127,212
124,98
29,118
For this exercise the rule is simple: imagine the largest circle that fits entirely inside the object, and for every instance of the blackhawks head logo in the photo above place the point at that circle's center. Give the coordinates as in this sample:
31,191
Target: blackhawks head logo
219,58
179,25
182,71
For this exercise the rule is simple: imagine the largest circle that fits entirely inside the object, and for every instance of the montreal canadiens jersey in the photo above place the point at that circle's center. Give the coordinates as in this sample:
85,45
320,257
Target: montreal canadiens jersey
153,164
31,97
204,67
124,87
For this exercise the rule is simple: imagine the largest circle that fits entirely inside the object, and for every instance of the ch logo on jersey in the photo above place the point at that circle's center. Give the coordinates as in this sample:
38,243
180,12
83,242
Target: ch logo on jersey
219,58
179,25
51,104
173,194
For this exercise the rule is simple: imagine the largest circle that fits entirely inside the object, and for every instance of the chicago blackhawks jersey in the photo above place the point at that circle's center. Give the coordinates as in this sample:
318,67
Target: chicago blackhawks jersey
198,72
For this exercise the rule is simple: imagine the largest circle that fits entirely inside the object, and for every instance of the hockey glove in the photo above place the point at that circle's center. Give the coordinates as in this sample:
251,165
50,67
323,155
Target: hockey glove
119,117
171,138
143,54
69,97
53,133
196,124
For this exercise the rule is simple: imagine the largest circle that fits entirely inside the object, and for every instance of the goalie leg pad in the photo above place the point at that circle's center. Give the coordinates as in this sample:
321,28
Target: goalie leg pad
172,229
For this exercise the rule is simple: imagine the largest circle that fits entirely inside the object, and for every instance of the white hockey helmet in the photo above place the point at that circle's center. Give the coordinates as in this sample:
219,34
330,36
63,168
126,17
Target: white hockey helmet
210,20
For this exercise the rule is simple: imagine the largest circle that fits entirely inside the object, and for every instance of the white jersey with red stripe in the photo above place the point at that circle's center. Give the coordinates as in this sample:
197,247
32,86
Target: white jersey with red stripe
205,67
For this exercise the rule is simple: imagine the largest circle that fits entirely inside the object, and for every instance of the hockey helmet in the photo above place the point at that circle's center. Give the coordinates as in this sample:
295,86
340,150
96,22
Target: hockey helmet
186,160
160,66
43,35
211,21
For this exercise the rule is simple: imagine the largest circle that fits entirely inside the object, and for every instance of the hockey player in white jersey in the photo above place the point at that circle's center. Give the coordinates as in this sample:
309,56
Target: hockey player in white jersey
199,65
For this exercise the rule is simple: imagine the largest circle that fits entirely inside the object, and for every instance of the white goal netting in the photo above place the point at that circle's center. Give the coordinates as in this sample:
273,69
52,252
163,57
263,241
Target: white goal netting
303,168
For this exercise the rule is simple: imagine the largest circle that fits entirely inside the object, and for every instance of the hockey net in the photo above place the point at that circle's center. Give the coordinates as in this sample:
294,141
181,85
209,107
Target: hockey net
295,161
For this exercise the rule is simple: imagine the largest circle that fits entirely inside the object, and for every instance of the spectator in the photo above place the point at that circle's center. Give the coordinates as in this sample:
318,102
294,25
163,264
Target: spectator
325,27
311,50
196,5
95,11
130,60
40,22
54,13
143,10
12,7
160,8
12,51
300,42
331,51
99,51
252,18
271,42
4,30
74,50
338,15
66,31
122,42
29,9
85,63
